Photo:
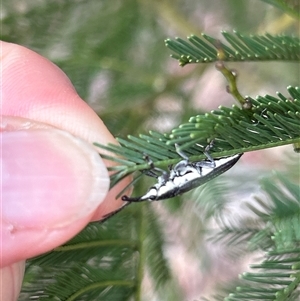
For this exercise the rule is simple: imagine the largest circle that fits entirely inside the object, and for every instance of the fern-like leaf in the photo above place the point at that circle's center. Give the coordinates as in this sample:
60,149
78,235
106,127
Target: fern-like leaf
277,279
271,122
277,234
97,264
103,262
241,48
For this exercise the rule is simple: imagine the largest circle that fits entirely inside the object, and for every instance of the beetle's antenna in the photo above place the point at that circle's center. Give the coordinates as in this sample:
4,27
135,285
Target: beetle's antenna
126,198
111,214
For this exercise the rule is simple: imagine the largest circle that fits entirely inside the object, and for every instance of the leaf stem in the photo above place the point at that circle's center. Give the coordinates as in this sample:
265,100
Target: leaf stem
231,77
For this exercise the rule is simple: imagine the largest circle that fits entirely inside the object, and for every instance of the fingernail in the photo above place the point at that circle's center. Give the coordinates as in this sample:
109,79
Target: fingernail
11,281
49,178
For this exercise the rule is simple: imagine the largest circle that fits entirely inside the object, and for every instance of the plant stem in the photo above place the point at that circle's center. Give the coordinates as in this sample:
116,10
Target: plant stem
232,88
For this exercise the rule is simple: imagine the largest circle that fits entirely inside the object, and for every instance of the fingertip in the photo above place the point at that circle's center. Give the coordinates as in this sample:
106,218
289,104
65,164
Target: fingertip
52,177
36,89
53,182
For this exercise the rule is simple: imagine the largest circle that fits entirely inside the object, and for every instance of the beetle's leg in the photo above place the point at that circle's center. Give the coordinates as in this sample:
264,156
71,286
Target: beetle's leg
210,163
206,151
154,172
157,173
149,161
150,173
162,177
181,153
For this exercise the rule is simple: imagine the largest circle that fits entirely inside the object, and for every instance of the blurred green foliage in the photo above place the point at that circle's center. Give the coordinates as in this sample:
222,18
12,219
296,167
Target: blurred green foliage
115,56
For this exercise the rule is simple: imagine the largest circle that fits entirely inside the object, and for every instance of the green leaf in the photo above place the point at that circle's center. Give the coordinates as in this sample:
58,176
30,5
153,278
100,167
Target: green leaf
241,48
103,262
273,121
97,264
275,231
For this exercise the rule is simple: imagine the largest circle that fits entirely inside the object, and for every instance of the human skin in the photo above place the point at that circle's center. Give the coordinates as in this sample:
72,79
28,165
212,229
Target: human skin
53,181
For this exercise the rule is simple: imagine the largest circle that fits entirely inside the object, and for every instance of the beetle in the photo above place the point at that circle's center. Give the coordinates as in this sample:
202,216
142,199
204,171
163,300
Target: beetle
184,176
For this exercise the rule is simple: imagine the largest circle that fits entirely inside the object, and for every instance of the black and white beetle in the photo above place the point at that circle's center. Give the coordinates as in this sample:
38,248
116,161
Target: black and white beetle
184,176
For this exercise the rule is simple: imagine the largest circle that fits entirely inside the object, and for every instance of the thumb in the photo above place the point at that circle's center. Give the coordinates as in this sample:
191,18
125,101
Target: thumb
52,182
11,281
